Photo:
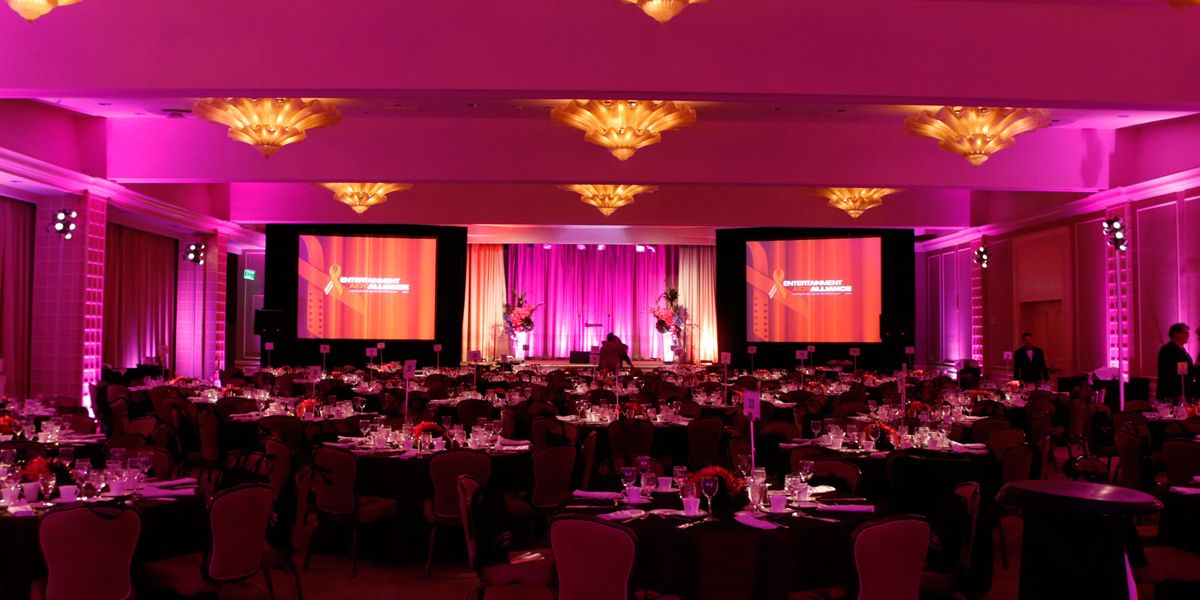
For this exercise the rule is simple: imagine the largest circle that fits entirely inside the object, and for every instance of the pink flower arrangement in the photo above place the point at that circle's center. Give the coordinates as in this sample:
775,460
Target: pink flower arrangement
6,424
733,485
433,428
518,316
36,469
306,406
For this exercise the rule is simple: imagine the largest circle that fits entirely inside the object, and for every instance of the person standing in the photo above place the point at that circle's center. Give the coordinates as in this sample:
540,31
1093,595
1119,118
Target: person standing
612,353
1029,362
1174,352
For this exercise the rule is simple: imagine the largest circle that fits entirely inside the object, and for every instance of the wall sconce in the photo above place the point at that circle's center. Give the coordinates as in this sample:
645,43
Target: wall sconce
64,223
981,257
1115,233
197,252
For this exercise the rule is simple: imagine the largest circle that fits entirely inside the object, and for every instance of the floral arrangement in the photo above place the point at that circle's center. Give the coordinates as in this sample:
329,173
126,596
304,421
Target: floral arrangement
230,390
36,469
518,316
671,317
915,408
6,425
182,380
305,407
733,484
979,394
433,428
885,431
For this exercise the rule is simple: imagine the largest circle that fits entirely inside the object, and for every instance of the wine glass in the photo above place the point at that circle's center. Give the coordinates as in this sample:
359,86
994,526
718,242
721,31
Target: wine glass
629,476
708,487
447,421
643,465
816,425
364,425
874,433
47,483
360,403
743,465
67,455
680,475
804,469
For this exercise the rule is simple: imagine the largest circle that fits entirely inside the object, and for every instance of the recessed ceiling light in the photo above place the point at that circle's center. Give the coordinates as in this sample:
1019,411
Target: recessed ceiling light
472,105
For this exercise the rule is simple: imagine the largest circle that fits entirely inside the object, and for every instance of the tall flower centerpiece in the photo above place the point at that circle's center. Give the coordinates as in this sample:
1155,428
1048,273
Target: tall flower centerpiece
671,321
518,322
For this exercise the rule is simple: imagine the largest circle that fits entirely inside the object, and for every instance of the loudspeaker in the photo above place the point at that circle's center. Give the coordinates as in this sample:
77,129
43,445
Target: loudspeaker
269,323
580,358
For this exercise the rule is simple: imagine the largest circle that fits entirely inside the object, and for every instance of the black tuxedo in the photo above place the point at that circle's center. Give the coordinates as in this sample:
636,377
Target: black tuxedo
1169,357
1030,369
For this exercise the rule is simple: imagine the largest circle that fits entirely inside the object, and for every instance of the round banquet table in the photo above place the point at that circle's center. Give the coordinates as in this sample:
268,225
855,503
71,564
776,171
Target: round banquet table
727,560
169,528
1073,544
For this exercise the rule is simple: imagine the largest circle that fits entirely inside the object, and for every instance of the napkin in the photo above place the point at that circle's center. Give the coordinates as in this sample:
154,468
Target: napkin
341,444
21,510
586,495
878,455
157,492
621,515
1186,491
407,455
968,448
858,508
747,518
507,442
183,481
821,489
799,443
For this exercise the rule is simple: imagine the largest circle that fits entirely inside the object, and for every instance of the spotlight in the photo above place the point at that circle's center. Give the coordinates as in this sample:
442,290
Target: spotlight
197,252
64,223
981,257
580,247
1114,234
639,248
599,247
651,249
547,246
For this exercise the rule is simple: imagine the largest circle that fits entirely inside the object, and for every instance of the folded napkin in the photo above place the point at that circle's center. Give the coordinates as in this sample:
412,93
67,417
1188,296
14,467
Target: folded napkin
586,495
157,492
1196,478
341,444
797,443
748,519
968,448
821,489
1186,491
183,481
20,510
857,508
622,515
878,455
507,442
407,455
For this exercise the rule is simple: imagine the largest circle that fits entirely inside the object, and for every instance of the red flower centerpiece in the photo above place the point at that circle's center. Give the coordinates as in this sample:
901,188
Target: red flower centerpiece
433,428
306,407
733,484
6,425
915,408
36,469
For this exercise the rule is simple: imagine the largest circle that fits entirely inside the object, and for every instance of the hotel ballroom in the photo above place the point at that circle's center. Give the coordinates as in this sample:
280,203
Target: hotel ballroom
600,299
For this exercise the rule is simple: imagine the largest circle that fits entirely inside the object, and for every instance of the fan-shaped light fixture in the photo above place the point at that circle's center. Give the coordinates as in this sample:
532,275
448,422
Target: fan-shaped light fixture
268,123
624,126
663,10
361,196
30,10
976,132
855,201
1184,3
608,198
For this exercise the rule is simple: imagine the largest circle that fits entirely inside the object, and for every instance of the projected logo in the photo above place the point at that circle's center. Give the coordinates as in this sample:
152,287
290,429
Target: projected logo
340,284
784,287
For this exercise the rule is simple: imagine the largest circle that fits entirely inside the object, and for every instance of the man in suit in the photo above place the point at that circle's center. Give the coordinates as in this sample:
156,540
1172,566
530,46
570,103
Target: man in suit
1170,382
1029,362
613,353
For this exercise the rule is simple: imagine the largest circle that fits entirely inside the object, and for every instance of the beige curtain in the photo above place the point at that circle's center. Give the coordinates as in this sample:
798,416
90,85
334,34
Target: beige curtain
698,293
483,327
16,285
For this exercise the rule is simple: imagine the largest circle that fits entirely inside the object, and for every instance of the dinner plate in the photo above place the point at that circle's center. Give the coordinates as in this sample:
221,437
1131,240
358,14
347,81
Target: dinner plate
624,515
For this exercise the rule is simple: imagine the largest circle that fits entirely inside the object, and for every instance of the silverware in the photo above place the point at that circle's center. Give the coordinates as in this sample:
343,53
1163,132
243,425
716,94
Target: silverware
695,523
823,519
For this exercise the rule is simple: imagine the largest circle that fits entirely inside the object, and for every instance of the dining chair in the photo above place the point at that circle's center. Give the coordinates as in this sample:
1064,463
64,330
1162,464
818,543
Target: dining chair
521,575
24,449
988,408
946,584
587,451
1182,460
835,472
330,480
552,470
88,551
1001,440
704,439
1130,470
472,410
546,431
593,558
443,510
81,424
233,405
629,438
286,429
162,464
143,426
889,555
237,519
690,409
983,428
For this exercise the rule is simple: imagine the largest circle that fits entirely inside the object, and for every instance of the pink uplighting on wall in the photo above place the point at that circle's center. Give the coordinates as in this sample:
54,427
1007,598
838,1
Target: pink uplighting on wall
94,230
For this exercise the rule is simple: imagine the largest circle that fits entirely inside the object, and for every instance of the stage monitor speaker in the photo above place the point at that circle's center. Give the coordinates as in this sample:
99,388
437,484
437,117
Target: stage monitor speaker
580,358
269,323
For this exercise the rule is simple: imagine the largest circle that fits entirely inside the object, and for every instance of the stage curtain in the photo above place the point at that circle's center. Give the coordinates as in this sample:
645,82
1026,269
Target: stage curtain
613,288
139,295
16,285
697,292
483,311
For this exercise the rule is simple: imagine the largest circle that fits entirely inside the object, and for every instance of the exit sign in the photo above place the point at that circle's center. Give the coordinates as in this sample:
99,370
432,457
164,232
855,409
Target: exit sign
249,274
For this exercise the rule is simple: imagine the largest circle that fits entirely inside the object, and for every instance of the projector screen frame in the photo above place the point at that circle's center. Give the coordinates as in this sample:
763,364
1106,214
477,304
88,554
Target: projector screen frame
897,270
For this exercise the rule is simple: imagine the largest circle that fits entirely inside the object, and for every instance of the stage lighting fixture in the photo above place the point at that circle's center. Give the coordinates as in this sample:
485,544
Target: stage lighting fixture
197,252
639,248
599,247
64,223
651,249
1114,234
981,257
580,247
547,246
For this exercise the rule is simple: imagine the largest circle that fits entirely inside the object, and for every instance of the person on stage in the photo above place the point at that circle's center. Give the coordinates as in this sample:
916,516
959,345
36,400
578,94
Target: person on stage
613,353
1029,362
1170,382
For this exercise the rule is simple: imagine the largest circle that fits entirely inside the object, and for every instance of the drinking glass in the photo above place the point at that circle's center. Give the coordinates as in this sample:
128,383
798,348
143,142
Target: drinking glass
364,425
816,425
117,455
804,470
680,475
8,456
643,464
709,487
629,476
67,455
790,483
447,421
743,465
47,483
874,433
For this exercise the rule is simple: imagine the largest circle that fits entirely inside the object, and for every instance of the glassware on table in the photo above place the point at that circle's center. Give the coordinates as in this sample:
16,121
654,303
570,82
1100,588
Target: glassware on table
629,476
364,426
47,483
709,487
680,476
791,483
742,465
758,493
67,455
758,475
643,464
816,425
874,432
805,470
8,456
116,455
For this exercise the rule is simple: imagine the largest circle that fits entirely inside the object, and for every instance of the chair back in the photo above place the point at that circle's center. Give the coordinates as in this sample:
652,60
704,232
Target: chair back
983,428
279,456
968,492
833,472
238,518
988,408
334,471
470,411
690,409
704,441
888,557
593,558
233,405
89,551
82,424
285,428
1129,453
444,469
1002,440
550,431
162,464
143,426
468,487
1016,464
630,437
804,453
588,450
1182,458
552,469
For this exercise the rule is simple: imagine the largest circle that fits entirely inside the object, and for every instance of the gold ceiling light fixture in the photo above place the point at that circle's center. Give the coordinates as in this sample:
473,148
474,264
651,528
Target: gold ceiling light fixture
361,196
608,198
1184,3
663,10
976,132
268,123
30,10
623,126
855,201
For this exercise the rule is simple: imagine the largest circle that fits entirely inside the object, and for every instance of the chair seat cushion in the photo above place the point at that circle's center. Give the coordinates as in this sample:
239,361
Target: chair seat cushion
439,520
372,509
533,571
178,574
1166,563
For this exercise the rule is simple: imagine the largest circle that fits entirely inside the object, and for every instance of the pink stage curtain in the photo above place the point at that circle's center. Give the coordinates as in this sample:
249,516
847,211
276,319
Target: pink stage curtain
614,287
483,312
697,292
16,285
139,295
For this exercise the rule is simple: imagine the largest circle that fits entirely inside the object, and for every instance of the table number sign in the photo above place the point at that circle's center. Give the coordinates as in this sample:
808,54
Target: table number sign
372,352
475,356
437,347
324,348
380,345
752,404
802,355
594,358
909,350
269,346
855,352
751,350
1181,369
1008,356
410,369
726,358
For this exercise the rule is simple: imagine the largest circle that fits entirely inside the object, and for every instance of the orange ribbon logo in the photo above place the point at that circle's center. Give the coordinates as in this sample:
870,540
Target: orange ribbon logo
335,283
778,288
